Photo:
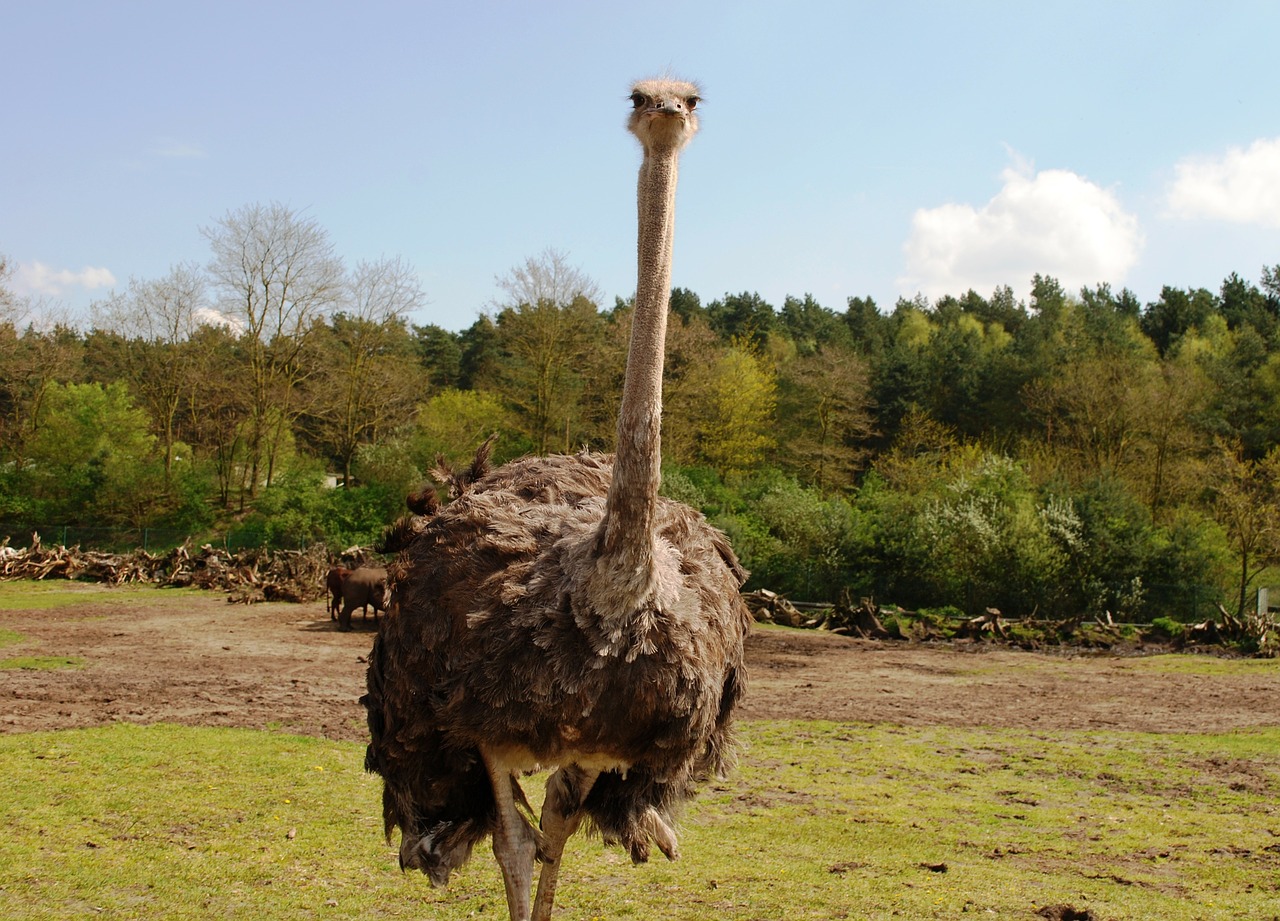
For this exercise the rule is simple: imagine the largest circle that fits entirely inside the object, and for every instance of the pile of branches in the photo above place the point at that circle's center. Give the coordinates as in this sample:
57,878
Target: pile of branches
1251,634
1254,631
246,576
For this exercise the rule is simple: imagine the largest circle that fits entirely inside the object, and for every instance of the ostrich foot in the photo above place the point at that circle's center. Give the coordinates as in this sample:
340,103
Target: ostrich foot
653,829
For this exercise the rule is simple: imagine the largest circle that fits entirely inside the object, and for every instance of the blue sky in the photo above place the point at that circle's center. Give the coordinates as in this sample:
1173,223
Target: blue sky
847,148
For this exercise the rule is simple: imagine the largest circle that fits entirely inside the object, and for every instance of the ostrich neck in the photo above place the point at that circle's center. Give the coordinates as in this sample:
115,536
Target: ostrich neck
628,535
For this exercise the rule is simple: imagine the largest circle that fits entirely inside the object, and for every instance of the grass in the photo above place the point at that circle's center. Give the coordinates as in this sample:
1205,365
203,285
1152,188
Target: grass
820,821
42,662
30,595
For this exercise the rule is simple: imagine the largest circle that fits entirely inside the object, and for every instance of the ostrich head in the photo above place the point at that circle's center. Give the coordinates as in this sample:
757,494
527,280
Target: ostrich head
663,117
439,852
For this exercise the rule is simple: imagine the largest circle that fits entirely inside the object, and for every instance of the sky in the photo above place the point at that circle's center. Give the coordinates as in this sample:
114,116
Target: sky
868,149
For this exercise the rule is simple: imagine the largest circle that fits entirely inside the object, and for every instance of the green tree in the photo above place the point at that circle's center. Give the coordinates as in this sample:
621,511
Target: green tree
154,321
214,414
1241,304
1247,503
745,317
811,326
545,330
544,345
370,379
92,457
824,415
737,429
686,305
440,352
1168,319
453,423
868,327
987,538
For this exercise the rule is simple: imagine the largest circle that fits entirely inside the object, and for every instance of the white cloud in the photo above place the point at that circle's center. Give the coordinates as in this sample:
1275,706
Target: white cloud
38,278
1054,222
1241,186
207,316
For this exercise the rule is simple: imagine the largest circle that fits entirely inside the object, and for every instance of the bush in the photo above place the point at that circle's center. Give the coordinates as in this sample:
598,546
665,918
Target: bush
298,511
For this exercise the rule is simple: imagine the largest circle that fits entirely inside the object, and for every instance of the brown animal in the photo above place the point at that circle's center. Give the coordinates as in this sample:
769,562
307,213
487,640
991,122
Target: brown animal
362,588
559,614
333,580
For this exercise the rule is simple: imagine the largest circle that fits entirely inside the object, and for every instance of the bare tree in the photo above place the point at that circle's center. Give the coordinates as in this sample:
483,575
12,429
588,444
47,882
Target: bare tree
546,278
276,271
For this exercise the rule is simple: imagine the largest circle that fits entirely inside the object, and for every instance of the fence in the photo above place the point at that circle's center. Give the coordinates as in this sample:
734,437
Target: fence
153,540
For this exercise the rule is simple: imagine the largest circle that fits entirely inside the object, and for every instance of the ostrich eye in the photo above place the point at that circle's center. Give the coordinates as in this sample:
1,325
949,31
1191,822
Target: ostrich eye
637,99
692,102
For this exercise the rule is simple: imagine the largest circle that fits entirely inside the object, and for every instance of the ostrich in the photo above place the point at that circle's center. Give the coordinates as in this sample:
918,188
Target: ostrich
559,614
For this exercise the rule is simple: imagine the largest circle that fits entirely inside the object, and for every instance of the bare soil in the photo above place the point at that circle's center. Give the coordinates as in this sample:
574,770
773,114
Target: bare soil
201,661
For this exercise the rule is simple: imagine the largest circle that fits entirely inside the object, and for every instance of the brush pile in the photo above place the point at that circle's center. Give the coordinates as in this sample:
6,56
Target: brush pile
246,576
1247,634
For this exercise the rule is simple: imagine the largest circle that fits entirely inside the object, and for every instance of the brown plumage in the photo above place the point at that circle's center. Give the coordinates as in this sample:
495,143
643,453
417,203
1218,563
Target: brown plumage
558,613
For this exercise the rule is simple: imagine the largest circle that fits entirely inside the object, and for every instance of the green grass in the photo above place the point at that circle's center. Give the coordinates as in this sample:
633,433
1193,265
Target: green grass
10,638
42,662
820,821
30,595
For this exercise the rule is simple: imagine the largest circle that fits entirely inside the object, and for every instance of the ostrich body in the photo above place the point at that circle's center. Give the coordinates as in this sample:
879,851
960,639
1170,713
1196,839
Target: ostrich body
559,613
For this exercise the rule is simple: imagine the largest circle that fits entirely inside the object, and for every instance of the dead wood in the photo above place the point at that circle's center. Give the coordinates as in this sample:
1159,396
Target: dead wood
246,576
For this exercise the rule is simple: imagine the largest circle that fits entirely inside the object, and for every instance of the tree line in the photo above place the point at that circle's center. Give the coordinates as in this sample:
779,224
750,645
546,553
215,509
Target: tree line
1074,454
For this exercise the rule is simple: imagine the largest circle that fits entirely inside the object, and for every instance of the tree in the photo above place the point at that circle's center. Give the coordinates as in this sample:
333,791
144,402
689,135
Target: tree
545,330
92,460
440,352
30,364
544,346
546,278
1241,303
453,423
370,379
824,407
986,537
867,326
1248,506
745,317
1177,311
812,326
215,413
685,304
737,428
155,320
276,272
693,351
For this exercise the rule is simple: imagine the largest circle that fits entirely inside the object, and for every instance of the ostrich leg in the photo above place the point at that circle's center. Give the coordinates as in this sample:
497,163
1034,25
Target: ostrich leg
567,789
514,842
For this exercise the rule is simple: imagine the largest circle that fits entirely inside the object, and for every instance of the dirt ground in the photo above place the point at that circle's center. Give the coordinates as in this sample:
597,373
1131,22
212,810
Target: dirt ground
199,660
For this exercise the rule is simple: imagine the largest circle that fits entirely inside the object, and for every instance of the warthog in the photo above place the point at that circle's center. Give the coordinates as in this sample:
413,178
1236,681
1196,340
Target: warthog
361,588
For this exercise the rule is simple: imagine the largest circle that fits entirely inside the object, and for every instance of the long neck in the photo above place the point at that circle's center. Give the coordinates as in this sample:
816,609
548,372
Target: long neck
637,473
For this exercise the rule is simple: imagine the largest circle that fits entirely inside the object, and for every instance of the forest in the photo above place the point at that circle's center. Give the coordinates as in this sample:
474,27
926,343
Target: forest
1078,454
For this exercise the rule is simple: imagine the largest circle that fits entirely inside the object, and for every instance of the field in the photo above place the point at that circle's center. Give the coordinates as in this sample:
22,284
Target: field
166,754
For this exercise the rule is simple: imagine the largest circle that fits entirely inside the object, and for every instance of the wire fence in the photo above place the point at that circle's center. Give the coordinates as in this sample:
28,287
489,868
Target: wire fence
1183,602
153,540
